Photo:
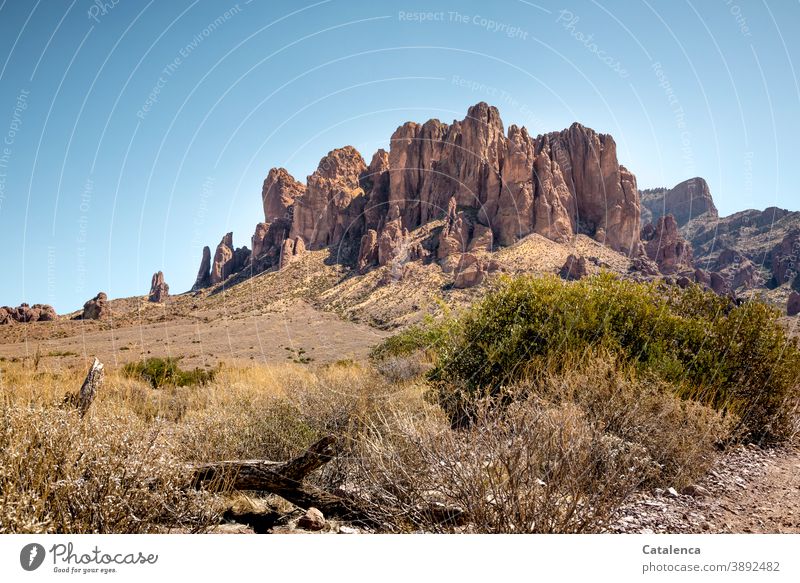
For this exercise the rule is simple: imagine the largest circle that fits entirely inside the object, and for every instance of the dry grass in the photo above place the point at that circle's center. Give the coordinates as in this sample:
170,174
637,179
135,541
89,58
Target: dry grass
561,460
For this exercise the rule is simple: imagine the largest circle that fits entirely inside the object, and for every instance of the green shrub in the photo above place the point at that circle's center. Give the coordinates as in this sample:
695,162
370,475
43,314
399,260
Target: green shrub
161,372
736,359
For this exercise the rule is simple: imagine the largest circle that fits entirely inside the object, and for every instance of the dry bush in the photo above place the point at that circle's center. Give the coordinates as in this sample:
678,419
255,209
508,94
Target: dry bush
682,437
107,474
534,468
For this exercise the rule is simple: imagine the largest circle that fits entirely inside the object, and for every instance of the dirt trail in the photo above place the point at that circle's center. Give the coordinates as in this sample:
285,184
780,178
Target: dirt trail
749,490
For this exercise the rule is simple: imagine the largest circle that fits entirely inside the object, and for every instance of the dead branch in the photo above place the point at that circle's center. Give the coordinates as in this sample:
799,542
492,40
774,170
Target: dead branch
286,480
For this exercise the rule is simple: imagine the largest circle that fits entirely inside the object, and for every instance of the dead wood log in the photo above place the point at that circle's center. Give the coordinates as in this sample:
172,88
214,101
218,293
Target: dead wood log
84,398
286,480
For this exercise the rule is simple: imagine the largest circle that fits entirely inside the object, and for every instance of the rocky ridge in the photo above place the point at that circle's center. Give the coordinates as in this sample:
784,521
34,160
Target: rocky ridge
486,189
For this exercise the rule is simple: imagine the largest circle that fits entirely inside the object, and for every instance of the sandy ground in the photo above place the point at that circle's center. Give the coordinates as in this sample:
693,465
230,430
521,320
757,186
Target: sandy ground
300,332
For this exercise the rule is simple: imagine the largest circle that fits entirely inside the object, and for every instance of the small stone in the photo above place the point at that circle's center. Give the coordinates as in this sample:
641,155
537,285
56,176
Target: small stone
348,530
313,519
672,493
695,490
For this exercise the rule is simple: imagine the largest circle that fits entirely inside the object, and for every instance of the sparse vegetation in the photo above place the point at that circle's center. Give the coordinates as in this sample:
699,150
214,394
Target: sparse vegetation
162,372
540,409
736,359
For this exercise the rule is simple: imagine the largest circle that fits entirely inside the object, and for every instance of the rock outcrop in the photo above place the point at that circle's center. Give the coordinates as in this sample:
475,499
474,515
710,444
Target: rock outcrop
785,260
204,273
278,194
793,305
664,244
227,260
367,251
25,313
574,268
333,201
490,187
159,290
222,266
685,201
97,308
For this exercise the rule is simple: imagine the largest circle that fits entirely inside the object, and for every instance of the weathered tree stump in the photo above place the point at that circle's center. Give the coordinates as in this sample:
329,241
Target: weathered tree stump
94,380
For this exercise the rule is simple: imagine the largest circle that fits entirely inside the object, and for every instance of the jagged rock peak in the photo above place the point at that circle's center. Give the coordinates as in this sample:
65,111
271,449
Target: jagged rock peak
278,194
204,272
329,207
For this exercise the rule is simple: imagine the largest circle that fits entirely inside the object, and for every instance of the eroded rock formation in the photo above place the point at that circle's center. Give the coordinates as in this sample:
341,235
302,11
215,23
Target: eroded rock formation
97,308
159,290
204,273
664,244
25,313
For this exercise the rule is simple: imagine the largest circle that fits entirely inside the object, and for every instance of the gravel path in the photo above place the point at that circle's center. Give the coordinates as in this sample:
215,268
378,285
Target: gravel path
749,490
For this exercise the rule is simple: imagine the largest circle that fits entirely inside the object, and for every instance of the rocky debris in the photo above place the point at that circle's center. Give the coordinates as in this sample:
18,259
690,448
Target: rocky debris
574,268
793,305
471,270
367,251
312,520
204,273
25,313
159,290
97,308
644,266
726,500
290,250
785,258
333,201
664,244
278,194
685,201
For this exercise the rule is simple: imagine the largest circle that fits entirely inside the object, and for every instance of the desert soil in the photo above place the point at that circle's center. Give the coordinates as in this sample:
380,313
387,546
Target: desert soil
296,333
749,490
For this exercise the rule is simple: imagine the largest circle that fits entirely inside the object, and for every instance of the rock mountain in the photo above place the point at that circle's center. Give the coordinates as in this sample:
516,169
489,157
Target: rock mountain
487,188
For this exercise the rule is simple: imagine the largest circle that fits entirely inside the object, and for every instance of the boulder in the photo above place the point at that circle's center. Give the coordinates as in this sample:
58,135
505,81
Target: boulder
313,519
645,266
97,308
574,268
159,290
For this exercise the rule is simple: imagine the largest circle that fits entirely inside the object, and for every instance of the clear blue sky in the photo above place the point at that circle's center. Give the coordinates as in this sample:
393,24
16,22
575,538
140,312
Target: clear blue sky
134,132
